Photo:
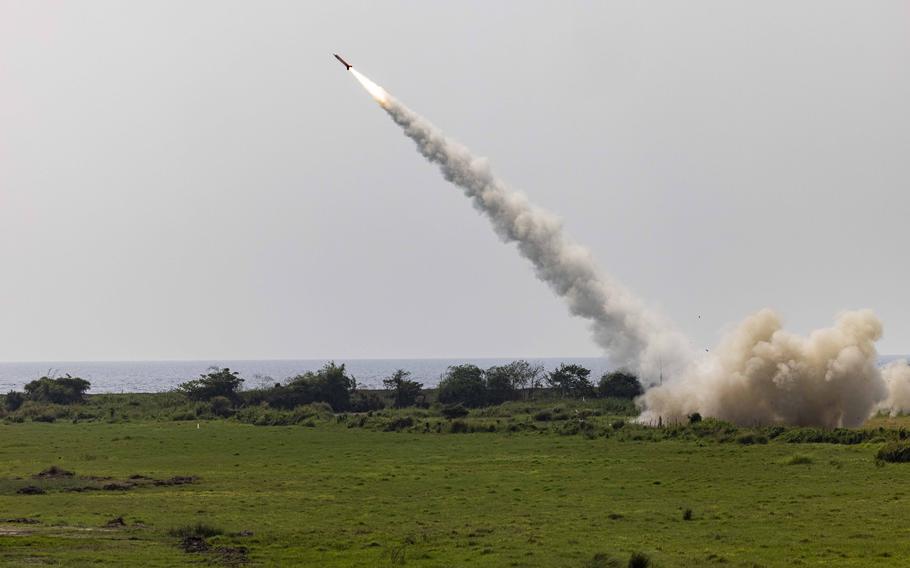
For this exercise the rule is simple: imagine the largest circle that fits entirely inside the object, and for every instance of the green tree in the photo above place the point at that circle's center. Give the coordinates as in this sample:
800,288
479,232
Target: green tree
505,382
329,384
217,382
619,384
463,384
13,400
570,381
65,390
404,391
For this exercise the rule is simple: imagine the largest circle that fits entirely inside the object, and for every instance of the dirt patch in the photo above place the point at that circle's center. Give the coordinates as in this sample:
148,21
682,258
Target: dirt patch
115,523
55,479
233,555
194,544
176,480
54,472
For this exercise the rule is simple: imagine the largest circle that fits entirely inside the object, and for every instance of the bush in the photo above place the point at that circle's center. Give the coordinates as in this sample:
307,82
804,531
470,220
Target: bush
617,424
463,384
694,418
219,382
404,391
399,423
543,416
331,384
639,560
458,427
748,438
619,384
894,452
821,436
221,406
452,411
13,400
366,402
687,514
65,390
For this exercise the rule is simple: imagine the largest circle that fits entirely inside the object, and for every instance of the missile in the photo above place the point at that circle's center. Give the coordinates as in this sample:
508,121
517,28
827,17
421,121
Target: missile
343,62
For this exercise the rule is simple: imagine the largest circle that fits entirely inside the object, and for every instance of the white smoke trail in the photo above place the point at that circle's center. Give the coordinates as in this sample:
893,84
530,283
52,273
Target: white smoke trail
762,374
632,335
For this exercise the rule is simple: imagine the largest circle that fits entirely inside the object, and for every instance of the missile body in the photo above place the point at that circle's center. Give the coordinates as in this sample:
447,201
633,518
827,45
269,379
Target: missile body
343,62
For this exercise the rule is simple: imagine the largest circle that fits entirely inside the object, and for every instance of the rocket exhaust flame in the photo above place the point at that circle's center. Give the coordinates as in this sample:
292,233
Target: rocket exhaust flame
377,92
760,374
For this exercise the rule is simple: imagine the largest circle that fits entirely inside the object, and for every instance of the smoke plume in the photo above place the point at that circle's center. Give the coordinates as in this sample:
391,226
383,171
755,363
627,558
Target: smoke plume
762,374
897,379
632,335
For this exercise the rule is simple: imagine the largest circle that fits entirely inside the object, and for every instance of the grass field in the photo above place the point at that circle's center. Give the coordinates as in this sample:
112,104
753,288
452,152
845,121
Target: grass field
334,496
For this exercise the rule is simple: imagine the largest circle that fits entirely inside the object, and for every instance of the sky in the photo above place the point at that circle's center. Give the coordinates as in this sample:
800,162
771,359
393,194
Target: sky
202,180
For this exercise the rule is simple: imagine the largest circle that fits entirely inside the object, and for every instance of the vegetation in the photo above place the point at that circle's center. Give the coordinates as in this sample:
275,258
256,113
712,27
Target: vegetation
571,381
619,384
898,452
403,390
333,495
63,390
217,383
463,384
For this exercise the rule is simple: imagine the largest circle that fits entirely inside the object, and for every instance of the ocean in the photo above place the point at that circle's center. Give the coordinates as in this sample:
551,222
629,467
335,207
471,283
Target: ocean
159,376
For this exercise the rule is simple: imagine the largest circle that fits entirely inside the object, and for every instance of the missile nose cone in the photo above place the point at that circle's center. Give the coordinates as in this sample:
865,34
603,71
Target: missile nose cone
343,62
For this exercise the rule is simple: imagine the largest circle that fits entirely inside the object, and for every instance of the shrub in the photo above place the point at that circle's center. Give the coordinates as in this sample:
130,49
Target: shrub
821,436
404,391
639,560
365,402
687,514
617,424
330,384
894,452
619,384
221,406
748,438
454,411
13,400
543,416
399,423
458,427
694,418
65,390
219,382
463,384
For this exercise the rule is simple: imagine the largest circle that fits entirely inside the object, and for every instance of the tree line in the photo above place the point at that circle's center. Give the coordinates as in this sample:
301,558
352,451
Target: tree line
466,385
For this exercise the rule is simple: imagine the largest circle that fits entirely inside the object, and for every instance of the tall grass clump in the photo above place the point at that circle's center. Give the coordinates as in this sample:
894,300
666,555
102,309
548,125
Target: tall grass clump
894,452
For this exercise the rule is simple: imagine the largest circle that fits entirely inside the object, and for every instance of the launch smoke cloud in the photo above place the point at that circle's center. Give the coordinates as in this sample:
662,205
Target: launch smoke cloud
759,375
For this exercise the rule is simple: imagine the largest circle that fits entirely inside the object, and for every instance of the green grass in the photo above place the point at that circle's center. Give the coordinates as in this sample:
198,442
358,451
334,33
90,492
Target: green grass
336,496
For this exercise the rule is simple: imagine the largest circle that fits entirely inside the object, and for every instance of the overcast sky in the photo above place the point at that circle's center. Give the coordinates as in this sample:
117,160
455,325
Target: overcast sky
183,180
